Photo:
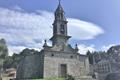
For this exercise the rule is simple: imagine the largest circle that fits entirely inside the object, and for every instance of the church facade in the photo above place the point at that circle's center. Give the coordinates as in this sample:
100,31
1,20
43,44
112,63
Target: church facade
58,60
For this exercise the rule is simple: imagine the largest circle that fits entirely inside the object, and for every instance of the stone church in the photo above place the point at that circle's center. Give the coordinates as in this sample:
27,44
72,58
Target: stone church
58,60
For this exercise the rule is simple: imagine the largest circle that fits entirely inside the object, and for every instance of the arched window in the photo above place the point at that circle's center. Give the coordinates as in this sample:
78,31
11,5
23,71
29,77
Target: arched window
62,30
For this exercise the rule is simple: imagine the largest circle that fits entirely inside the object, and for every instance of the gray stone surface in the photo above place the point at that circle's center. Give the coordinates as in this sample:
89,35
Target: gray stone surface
75,66
113,76
30,67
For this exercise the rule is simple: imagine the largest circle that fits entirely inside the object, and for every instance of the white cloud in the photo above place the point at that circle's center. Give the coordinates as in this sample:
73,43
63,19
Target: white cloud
83,49
83,30
18,49
15,49
106,47
16,8
26,29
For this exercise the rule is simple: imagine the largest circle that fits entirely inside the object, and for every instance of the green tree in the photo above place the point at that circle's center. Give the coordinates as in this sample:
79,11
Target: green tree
14,60
69,77
3,49
90,57
8,62
3,53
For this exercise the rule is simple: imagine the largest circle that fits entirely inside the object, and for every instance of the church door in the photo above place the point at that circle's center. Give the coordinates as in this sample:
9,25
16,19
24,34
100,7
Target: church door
63,70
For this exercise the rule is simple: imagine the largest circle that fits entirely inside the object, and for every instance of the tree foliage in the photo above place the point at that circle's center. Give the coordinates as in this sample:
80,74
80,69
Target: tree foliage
96,56
3,49
90,57
13,61
70,77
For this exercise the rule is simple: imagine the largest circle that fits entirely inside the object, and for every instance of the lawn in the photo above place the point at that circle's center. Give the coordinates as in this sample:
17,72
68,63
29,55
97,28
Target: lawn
50,79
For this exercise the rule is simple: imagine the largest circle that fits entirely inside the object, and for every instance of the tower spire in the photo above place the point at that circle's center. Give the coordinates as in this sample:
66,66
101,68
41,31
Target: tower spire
60,36
59,2
59,9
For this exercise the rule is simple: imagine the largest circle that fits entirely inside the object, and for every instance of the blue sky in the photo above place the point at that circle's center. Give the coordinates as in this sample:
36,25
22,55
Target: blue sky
93,24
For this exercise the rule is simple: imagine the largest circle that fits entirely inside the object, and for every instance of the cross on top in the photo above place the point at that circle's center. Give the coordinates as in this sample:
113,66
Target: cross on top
59,1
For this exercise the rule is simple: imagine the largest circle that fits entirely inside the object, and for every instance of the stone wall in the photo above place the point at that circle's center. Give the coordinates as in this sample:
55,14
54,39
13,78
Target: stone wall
31,67
47,64
76,66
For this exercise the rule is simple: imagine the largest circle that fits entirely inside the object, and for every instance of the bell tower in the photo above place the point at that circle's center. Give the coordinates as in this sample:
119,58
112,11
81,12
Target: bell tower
60,36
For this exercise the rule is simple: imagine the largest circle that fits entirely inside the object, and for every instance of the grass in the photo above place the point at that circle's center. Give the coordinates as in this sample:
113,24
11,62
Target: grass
50,79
